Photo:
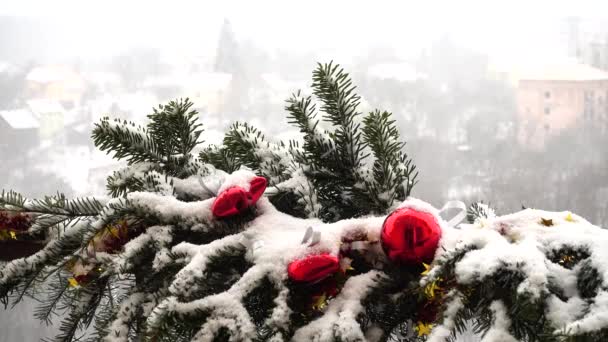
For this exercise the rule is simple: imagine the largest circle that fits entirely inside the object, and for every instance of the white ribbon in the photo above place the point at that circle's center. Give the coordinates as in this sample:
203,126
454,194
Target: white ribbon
217,181
312,235
461,215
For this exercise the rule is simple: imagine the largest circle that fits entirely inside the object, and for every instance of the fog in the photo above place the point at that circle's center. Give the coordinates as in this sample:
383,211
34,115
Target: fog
505,103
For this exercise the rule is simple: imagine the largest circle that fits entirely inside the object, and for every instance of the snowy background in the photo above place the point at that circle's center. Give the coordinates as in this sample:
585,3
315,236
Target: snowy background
493,99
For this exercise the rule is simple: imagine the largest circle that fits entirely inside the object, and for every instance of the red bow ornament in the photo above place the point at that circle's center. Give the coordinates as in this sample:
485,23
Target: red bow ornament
313,268
236,199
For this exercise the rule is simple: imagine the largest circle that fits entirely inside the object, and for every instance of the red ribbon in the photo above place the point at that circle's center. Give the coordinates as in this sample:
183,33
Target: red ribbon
313,268
236,200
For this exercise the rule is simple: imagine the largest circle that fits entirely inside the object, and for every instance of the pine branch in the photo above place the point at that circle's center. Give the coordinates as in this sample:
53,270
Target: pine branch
335,90
479,210
174,128
220,157
393,172
249,148
317,148
51,211
53,293
126,141
172,134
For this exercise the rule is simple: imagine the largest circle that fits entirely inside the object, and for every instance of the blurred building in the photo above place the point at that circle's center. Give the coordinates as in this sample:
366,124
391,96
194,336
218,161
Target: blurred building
18,131
587,41
553,97
205,89
51,115
56,83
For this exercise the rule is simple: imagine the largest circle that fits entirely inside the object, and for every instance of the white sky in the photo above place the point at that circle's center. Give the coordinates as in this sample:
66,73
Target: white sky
501,28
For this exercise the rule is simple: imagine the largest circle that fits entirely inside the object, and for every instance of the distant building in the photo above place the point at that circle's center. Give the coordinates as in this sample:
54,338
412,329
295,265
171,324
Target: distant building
19,130
401,71
551,98
587,41
205,89
56,83
51,115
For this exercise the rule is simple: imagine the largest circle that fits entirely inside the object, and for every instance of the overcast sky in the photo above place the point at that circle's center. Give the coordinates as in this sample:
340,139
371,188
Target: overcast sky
500,28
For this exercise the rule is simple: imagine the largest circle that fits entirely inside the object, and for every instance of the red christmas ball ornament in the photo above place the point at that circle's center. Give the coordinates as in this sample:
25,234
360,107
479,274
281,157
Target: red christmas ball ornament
313,268
236,200
410,237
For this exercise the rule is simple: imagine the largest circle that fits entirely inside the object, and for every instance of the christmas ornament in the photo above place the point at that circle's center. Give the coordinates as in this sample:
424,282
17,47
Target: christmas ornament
110,239
410,237
427,269
546,222
236,200
423,328
569,218
329,288
431,288
12,225
429,311
313,268
82,272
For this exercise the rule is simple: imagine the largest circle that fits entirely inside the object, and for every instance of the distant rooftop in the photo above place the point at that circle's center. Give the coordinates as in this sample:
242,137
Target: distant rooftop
398,71
20,118
52,73
549,70
564,72
43,106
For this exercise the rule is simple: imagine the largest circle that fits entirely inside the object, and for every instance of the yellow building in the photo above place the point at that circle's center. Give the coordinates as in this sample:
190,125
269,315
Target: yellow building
56,83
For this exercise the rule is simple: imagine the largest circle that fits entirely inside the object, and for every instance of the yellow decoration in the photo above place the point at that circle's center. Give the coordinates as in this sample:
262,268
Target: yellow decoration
546,222
567,258
569,218
320,302
73,282
423,328
13,235
429,289
427,269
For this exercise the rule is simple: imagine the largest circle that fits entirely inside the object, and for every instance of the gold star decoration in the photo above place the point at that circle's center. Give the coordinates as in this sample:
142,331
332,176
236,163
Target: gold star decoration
427,269
546,222
13,235
423,328
320,302
430,288
569,218
73,282
566,259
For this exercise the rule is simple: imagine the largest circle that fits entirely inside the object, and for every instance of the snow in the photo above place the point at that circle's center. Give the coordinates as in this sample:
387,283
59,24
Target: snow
201,186
20,267
560,312
156,237
499,332
273,239
443,331
298,182
119,329
341,316
521,241
20,118
168,207
595,319
240,178
198,256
